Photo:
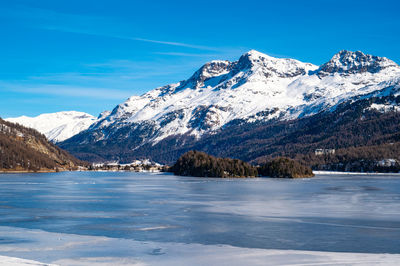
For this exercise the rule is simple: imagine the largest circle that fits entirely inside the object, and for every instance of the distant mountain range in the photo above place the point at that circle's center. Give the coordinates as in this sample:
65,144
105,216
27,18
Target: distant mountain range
249,109
57,126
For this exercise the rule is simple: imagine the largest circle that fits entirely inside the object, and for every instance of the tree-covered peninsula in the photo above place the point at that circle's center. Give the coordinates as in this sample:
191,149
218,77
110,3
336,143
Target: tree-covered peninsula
283,167
201,164
196,163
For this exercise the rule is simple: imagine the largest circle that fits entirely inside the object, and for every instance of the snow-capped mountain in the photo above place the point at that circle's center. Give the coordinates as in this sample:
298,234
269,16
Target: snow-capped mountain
57,126
210,110
256,87
219,92
355,62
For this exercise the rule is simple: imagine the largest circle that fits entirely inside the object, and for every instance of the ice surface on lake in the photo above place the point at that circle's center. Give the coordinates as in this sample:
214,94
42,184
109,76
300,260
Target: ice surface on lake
68,249
85,218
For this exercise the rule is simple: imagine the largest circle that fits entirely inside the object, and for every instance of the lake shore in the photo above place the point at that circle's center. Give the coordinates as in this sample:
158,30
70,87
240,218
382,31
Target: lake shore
160,171
28,171
351,173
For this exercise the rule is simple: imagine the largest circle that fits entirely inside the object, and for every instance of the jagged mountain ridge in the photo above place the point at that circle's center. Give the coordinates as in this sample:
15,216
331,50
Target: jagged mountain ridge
57,126
355,62
219,92
257,87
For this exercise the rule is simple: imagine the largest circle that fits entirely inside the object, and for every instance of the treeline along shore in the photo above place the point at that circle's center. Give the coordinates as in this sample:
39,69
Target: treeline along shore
200,164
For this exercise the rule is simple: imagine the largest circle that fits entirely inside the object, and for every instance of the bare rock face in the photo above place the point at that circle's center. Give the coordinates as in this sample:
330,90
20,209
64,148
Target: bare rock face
209,70
355,62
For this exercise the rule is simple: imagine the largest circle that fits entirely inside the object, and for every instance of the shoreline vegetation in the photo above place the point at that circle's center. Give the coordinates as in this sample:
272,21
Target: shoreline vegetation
104,168
8,171
143,167
201,164
282,167
198,164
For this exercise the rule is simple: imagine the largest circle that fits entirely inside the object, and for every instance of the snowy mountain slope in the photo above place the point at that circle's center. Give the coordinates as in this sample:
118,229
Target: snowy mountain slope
222,98
57,126
257,86
355,76
346,62
217,93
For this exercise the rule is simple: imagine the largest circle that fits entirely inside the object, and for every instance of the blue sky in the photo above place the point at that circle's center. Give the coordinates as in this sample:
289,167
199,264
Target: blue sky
91,55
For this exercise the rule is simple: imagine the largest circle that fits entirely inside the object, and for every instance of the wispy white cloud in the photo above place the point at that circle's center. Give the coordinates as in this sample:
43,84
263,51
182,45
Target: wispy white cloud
185,54
199,47
65,90
94,80
123,37
120,73
84,24
113,79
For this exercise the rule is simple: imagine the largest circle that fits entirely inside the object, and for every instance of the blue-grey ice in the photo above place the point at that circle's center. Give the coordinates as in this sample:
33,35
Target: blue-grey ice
81,218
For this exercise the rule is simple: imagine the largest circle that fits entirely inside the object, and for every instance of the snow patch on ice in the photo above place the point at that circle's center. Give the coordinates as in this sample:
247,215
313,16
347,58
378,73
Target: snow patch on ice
69,249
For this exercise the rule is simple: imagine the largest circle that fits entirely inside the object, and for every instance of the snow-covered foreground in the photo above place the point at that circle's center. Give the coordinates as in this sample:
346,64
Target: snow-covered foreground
10,261
69,249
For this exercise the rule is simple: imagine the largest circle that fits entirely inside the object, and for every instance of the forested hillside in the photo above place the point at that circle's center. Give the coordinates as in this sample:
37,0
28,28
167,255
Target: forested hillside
25,149
354,130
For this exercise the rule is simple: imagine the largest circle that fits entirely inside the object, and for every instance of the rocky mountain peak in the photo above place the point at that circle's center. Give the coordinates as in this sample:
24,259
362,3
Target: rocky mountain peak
349,62
211,69
272,66
251,58
103,114
255,55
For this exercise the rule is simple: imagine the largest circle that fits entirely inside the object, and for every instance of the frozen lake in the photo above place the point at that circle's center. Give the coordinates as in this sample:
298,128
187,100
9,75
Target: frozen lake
144,217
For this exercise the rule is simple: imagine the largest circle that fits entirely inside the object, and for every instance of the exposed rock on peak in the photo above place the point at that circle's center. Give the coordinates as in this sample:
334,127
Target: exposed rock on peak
210,70
356,62
251,58
103,114
280,67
